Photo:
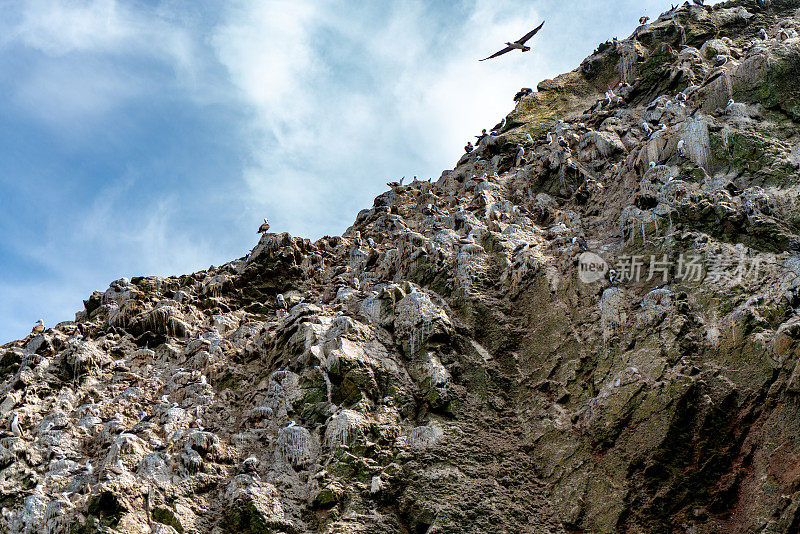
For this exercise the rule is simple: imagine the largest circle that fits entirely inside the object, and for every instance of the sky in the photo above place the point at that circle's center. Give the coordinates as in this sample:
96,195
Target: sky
148,137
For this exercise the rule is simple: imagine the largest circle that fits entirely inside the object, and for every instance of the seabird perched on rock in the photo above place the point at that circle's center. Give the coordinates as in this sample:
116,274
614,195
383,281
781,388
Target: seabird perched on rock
698,2
679,149
562,142
499,126
469,148
643,20
525,91
680,97
763,34
396,184
721,60
15,428
249,464
729,105
481,136
291,424
782,35
281,302
520,153
519,44
264,227
652,164
581,242
38,327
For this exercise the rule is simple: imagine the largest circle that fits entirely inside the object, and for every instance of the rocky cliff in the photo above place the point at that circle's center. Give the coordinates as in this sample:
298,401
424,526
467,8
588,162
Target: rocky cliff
589,325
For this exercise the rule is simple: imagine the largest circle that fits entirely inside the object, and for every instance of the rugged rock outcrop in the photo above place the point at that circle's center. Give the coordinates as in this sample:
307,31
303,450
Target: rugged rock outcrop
447,365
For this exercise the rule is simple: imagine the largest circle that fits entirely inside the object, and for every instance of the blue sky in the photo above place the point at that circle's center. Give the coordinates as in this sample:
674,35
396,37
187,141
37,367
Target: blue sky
151,137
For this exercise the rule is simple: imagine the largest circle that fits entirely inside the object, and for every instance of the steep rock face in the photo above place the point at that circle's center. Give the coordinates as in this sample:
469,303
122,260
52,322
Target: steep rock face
442,367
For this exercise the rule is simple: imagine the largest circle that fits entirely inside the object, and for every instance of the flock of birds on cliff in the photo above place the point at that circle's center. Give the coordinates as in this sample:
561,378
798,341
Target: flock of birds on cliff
612,98
559,140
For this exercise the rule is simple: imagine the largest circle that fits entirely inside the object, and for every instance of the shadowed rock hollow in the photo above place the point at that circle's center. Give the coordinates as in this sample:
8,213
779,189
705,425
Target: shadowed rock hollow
441,367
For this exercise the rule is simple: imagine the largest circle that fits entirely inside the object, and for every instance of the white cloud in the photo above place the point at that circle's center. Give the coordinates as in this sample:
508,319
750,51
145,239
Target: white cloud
62,27
94,56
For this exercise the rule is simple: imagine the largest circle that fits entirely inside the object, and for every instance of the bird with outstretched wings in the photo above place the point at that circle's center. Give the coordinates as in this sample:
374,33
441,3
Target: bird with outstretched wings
518,44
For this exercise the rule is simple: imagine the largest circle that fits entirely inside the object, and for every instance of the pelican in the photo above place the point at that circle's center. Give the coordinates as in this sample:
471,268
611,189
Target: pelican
264,227
518,44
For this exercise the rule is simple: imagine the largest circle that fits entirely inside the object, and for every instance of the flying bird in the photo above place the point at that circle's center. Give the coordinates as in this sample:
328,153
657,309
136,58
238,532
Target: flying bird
518,44
264,227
